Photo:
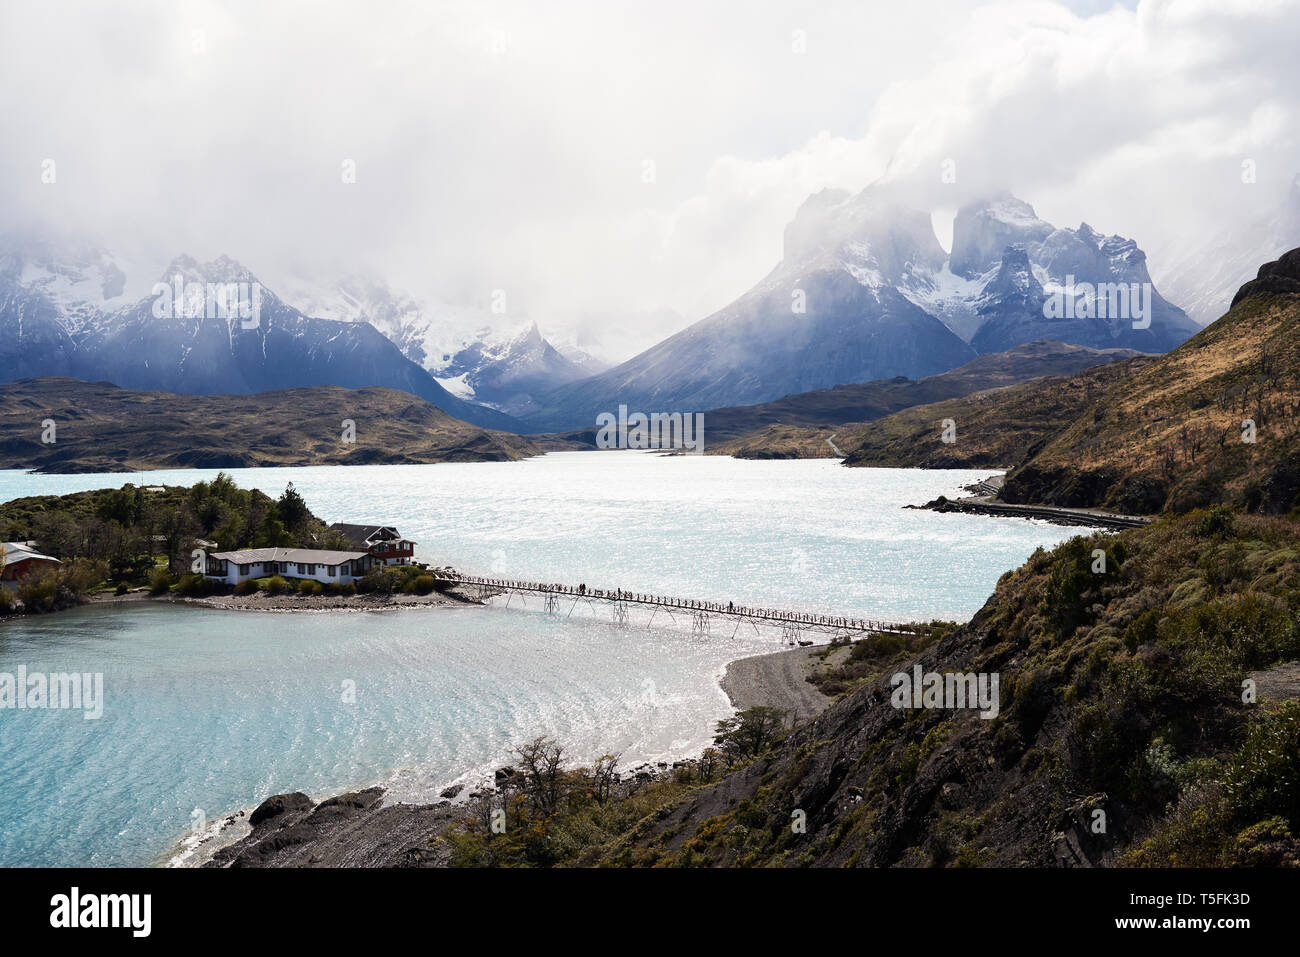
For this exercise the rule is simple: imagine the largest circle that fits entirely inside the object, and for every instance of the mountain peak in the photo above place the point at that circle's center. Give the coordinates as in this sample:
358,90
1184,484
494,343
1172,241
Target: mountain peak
223,269
985,227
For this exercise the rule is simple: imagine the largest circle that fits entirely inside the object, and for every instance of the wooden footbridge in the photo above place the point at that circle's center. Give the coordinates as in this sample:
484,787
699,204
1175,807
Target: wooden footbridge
793,624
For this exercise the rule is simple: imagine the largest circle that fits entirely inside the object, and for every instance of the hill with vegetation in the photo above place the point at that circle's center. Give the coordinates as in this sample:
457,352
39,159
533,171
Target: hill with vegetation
1124,735
998,428
98,427
867,401
1216,420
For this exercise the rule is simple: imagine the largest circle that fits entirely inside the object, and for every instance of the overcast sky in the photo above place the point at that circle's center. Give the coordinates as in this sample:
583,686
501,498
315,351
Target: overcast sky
605,161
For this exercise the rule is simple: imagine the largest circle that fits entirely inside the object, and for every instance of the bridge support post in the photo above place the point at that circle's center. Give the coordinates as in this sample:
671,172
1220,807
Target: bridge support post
552,603
700,622
620,614
790,633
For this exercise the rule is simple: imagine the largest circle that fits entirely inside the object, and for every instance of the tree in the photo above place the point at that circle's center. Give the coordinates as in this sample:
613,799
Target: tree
541,761
603,776
293,510
749,733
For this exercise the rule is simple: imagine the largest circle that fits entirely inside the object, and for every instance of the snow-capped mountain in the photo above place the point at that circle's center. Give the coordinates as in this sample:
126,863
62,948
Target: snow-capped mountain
477,356
1203,278
1013,263
865,291
69,316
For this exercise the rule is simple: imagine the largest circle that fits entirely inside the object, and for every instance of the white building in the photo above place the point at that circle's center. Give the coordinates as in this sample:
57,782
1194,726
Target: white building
323,566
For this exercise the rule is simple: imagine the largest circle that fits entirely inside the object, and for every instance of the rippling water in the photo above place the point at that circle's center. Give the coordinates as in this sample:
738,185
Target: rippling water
207,711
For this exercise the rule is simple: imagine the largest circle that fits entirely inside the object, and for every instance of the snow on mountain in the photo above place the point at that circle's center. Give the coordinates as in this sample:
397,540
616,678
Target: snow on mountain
1006,262
73,314
493,360
864,291
831,312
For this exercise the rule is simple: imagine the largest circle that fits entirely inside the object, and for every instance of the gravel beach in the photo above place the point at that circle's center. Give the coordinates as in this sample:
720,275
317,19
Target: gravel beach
778,681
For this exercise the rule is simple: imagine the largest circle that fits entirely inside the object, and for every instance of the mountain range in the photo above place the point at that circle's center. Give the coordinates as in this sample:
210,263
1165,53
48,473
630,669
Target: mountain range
865,291
478,356
68,311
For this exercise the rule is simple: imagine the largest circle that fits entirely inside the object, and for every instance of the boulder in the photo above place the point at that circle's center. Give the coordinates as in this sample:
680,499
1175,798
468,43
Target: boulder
278,804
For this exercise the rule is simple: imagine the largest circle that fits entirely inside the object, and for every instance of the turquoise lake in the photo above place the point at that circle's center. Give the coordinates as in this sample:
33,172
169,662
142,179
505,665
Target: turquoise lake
209,711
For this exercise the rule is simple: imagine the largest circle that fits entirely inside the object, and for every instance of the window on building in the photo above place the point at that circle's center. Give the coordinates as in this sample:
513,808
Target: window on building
243,569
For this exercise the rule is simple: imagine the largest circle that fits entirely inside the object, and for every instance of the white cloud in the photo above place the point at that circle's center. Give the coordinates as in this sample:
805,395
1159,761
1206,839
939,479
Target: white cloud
503,145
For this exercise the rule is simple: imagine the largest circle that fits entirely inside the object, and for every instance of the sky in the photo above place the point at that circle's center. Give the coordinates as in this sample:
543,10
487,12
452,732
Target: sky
620,169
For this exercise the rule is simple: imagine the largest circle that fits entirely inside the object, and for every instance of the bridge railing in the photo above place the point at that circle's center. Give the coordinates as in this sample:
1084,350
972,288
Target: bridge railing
689,604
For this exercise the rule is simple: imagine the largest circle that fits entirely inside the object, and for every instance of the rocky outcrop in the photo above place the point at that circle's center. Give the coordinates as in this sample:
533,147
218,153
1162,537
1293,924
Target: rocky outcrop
349,830
1278,278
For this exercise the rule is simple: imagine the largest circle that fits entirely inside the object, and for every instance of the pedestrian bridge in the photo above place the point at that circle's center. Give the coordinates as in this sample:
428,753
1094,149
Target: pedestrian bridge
793,624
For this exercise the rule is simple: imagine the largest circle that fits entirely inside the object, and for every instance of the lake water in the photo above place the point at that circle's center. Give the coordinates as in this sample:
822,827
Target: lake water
208,711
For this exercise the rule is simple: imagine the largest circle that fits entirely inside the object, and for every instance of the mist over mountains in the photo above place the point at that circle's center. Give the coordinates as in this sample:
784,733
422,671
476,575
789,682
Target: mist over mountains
864,291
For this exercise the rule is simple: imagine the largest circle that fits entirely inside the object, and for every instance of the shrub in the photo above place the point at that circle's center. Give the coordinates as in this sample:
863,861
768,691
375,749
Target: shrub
1264,779
333,588
247,587
7,600
121,589
192,585
82,574
160,581
423,584
276,585
309,587
39,590
350,588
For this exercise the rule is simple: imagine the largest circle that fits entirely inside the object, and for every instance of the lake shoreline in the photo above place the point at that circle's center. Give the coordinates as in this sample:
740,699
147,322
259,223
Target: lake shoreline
356,828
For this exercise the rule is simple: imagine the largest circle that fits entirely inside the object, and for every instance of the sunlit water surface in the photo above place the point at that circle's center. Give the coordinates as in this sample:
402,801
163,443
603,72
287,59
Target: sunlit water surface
207,711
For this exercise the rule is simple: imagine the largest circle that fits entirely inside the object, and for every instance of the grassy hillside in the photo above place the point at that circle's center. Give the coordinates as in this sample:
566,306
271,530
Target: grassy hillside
99,427
796,426
998,428
867,401
1176,434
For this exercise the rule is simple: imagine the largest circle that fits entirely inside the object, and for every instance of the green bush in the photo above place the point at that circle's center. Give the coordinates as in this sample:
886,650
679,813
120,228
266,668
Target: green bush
192,585
7,600
350,588
309,587
1263,780
39,590
276,585
333,588
82,574
121,589
423,584
160,581
247,587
